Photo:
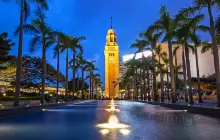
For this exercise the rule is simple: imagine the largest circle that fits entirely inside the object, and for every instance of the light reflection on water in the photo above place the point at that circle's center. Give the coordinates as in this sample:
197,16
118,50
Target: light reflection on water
113,123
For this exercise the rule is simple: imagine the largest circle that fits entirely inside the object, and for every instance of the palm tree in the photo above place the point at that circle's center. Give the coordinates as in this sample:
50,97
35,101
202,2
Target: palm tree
166,62
82,64
148,68
187,33
167,26
160,54
141,45
66,45
91,68
134,65
24,12
197,43
40,31
96,82
175,59
56,37
74,47
152,38
208,5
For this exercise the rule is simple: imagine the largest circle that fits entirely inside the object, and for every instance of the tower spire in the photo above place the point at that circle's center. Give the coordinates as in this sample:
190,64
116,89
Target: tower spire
111,22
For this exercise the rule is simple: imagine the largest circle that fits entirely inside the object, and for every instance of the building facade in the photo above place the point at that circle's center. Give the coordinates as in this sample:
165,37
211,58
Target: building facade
205,61
111,65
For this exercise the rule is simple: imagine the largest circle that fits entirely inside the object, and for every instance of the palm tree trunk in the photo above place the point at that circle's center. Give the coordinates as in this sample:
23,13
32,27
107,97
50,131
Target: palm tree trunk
90,86
19,59
43,74
136,84
173,89
144,80
188,74
82,82
168,91
141,86
58,69
215,54
128,88
92,83
154,78
74,75
161,82
176,74
148,86
198,76
184,74
66,90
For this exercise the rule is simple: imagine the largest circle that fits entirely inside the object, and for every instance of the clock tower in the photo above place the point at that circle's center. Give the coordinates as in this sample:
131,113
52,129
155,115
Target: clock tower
111,65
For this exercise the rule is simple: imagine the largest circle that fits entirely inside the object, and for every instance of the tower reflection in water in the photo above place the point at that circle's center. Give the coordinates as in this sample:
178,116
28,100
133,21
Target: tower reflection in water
113,123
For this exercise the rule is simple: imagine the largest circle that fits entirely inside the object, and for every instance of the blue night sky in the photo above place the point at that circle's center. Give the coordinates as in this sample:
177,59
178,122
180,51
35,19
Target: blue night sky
91,18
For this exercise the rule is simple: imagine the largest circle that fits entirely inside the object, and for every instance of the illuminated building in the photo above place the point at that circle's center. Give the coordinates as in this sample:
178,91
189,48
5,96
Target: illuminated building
111,65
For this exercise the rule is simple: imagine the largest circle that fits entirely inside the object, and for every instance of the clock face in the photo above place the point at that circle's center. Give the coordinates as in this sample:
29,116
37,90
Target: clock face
111,60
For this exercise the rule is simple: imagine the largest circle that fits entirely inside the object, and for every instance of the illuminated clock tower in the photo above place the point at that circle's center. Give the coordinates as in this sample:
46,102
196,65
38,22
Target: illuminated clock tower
111,65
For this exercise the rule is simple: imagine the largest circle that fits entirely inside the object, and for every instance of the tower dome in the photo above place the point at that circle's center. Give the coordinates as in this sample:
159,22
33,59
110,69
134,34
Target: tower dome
111,31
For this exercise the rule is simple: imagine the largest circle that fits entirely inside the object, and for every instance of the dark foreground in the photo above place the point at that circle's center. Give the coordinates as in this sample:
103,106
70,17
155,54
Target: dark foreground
78,122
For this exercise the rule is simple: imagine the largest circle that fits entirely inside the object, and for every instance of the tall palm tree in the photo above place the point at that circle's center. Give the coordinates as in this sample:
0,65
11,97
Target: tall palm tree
160,54
76,46
175,59
91,68
167,26
187,33
134,66
152,38
40,31
208,5
82,64
141,46
66,45
56,37
24,12
96,82
166,62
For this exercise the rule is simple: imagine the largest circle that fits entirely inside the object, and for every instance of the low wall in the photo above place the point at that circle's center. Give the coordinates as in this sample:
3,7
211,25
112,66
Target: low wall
211,97
21,102
212,112
21,110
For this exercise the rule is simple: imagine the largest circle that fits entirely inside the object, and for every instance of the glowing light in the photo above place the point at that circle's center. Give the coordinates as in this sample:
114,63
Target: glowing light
112,109
113,123
125,131
4,94
104,131
44,109
138,55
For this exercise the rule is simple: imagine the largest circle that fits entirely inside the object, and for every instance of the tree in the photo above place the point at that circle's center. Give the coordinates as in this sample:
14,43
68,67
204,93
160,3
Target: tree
74,47
160,54
175,60
24,12
5,47
208,5
152,38
56,38
167,26
40,31
166,62
187,33
32,71
91,76
82,64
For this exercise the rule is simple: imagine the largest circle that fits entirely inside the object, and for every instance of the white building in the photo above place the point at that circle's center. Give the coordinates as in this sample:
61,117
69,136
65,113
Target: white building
206,62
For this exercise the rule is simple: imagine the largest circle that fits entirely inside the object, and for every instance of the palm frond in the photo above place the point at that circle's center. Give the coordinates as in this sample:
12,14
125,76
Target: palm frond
36,40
